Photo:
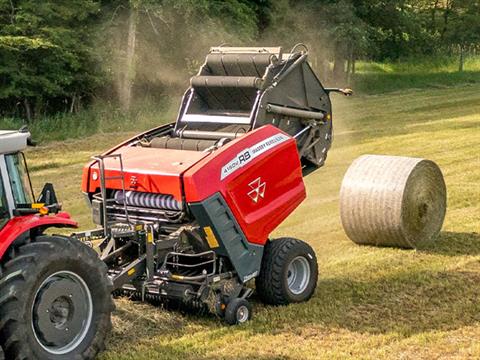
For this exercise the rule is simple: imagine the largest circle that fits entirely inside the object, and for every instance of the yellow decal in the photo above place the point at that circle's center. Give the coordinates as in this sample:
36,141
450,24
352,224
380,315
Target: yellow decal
131,272
150,237
211,239
37,205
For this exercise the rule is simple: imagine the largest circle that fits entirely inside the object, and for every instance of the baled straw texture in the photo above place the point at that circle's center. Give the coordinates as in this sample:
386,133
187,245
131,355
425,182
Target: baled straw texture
392,201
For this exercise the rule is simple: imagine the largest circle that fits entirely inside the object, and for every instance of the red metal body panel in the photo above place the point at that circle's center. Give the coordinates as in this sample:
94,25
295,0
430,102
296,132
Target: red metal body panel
19,225
269,170
276,173
86,176
146,169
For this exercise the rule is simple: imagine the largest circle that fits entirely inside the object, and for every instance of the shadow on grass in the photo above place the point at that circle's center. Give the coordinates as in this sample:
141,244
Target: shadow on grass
135,323
453,244
405,303
138,329
402,304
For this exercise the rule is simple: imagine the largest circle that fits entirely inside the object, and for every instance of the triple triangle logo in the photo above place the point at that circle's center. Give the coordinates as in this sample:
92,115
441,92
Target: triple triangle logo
258,189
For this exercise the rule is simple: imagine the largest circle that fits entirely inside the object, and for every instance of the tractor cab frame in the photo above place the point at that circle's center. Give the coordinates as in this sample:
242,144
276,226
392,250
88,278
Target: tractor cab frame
15,186
20,212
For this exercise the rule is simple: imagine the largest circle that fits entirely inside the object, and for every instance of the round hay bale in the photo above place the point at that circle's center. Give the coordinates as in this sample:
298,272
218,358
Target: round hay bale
392,201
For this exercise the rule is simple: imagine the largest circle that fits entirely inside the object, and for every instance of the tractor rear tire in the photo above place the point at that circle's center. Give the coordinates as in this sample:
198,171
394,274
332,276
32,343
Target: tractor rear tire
55,301
289,272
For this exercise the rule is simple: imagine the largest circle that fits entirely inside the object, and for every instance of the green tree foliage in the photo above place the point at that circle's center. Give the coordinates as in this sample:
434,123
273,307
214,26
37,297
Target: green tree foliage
463,30
46,59
57,54
381,30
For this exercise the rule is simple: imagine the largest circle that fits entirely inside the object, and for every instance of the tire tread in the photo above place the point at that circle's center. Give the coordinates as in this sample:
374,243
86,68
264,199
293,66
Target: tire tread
18,269
270,282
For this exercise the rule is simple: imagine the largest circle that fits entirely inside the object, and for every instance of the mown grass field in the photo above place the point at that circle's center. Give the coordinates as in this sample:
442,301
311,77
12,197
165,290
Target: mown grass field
370,302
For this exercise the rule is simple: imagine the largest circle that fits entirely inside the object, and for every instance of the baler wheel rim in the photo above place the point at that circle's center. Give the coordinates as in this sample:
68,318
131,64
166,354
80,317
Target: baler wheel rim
298,275
242,314
238,311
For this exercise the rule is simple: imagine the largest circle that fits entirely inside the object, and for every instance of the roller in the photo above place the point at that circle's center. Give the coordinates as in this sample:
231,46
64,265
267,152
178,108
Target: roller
392,201
226,81
177,143
236,64
254,87
147,200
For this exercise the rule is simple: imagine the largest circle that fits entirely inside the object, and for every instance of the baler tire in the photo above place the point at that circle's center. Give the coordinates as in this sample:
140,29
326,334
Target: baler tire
238,311
57,274
272,283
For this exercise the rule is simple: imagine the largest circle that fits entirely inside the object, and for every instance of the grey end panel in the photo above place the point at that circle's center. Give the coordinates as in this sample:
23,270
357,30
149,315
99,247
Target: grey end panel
245,257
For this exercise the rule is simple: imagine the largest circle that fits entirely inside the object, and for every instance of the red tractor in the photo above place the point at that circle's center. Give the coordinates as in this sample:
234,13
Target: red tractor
184,211
55,297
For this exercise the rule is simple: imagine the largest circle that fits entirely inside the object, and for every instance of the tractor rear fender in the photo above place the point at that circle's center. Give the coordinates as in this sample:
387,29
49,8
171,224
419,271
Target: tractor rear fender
23,226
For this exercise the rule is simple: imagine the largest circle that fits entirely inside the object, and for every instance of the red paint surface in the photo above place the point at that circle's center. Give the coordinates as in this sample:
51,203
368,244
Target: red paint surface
279,168
163,170
146,170
21,224
87,187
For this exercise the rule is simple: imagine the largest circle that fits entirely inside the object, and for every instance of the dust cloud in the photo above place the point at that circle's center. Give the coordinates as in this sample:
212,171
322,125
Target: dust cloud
171,44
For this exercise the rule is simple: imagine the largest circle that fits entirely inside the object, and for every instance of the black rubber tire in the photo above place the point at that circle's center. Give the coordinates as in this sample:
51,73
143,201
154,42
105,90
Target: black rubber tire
23,274
272,282
231,311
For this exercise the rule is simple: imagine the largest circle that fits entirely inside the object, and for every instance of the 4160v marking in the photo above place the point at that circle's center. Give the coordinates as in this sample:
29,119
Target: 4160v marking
248,154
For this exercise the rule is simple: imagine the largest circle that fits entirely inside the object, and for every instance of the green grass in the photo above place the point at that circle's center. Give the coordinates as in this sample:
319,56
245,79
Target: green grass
100,117
370,302
423,73
420,65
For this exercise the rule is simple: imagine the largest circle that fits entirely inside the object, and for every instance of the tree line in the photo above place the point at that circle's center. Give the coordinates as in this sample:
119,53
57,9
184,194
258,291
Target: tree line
60,55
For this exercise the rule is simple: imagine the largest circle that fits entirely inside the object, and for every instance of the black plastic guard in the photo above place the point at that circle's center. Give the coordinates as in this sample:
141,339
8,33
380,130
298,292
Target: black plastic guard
224,235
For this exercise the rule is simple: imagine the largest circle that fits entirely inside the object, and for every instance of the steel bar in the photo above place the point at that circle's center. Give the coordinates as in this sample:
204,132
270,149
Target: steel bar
282,110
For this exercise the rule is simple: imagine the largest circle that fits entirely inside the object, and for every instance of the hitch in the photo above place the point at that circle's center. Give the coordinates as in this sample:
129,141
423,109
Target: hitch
346,91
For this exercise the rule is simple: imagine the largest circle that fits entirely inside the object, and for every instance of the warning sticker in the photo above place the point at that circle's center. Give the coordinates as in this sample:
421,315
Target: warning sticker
248,154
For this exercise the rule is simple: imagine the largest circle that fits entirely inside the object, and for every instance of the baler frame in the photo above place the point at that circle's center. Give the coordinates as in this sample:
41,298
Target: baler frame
141,269
259,97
